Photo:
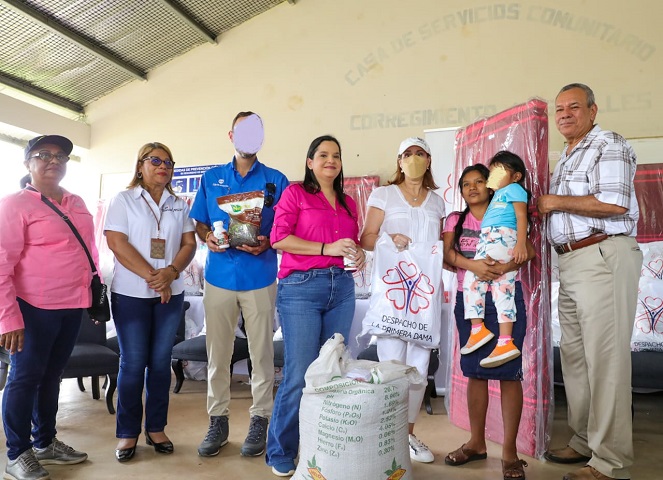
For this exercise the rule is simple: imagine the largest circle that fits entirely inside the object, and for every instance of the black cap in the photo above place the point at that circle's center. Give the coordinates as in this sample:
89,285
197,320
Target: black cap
62,142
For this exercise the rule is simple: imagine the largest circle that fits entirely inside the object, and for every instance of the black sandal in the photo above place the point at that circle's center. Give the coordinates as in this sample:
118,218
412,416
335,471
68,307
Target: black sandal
463,455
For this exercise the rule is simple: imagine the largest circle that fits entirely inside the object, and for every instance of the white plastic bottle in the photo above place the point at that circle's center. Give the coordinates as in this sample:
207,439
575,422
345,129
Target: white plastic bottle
221,234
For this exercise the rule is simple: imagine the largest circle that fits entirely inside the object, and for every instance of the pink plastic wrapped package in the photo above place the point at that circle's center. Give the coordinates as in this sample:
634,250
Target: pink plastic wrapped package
360,188
522,129
649,192
648,327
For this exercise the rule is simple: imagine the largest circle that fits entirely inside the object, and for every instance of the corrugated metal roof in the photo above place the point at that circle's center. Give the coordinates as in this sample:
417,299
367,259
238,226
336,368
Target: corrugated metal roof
81,50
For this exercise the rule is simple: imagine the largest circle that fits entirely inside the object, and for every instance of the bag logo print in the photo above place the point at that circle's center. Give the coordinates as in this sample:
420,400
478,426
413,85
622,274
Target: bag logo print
655,267
413,289
651,318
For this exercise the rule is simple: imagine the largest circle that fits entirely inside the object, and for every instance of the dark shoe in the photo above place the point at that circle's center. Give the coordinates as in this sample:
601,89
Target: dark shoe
125,454
163,447
25,467
514,470
463,455
217,436
565,455
256,440
586,473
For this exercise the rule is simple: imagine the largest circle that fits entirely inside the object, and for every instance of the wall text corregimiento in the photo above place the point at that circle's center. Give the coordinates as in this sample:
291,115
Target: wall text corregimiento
457,115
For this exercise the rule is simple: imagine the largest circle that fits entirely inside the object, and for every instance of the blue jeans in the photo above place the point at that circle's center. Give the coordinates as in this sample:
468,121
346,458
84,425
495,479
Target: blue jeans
146,331
312,306
33,385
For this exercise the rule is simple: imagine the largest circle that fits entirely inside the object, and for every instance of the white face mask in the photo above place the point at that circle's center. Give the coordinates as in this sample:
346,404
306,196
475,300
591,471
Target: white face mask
414,166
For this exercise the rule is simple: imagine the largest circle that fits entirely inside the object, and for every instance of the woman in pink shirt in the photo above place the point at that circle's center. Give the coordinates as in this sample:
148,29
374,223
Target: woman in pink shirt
44,286
315,227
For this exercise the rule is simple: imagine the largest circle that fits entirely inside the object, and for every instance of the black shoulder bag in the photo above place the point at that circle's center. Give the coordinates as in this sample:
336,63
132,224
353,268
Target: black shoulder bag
100,309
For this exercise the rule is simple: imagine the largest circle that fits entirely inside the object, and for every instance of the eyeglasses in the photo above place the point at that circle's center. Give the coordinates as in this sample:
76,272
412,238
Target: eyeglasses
156,161
271,190
46,156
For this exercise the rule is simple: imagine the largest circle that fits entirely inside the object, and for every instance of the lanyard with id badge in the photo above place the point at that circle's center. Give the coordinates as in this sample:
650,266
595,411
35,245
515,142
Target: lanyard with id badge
157,245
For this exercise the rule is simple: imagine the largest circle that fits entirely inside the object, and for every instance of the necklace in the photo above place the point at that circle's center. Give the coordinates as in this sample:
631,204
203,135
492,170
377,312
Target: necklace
414,197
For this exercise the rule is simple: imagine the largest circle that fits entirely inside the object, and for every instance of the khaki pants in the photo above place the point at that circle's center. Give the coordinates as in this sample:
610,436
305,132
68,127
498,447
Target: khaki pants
597,301
222,309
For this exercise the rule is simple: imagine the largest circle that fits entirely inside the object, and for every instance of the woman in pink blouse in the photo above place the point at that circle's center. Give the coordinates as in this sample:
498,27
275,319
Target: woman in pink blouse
45,281
315,227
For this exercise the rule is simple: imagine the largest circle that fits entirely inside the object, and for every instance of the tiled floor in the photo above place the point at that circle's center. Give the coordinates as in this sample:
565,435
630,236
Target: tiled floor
87,425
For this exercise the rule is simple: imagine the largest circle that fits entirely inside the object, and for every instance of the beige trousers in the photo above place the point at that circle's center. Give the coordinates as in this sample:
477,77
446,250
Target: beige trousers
222,309
597,301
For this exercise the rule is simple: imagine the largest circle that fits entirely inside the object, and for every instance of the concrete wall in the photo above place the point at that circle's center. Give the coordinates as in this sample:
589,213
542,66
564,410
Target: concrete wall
25,121
372,72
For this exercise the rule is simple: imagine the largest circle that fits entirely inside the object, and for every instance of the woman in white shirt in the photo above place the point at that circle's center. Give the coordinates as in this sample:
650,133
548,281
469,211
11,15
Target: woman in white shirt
410,211
149,230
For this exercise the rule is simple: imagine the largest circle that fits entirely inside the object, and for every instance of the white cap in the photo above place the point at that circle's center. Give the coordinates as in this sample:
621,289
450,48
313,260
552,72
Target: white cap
412,142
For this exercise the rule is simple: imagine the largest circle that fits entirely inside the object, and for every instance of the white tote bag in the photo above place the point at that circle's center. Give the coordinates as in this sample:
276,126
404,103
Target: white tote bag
407,292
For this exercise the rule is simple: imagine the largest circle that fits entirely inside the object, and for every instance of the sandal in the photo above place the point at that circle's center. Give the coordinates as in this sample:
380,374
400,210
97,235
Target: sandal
514,470
463,455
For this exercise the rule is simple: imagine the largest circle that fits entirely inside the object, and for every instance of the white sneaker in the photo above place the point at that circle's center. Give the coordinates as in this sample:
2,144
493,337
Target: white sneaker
420,452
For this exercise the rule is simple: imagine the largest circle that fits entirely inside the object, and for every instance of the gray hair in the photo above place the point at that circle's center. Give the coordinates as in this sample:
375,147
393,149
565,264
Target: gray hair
588,91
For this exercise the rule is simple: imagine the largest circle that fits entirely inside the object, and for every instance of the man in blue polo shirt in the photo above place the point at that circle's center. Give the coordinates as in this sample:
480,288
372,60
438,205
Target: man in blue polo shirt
239,278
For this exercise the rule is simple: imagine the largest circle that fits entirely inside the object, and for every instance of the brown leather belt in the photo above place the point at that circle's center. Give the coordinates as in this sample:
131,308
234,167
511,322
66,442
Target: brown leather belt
585,242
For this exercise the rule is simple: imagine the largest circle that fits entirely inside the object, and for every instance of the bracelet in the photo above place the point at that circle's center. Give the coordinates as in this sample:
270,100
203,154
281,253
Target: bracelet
322,249
208,234
174,269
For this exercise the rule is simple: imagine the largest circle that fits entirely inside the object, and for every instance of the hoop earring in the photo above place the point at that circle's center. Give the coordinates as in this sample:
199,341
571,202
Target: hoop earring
139,174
